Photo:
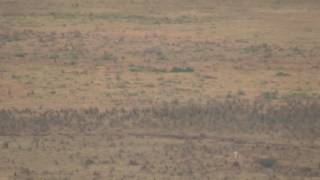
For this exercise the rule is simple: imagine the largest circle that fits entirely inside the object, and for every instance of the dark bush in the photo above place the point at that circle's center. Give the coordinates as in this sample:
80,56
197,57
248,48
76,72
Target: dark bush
181,69
267,162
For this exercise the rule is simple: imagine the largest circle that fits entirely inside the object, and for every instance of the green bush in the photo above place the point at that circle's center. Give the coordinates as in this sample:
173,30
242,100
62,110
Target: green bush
282,74
182,69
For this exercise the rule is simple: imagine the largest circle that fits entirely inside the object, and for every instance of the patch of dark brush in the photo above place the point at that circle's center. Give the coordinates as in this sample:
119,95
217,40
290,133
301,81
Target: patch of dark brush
295,115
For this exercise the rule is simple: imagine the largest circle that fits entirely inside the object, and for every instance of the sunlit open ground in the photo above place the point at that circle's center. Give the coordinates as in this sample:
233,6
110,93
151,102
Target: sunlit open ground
116,55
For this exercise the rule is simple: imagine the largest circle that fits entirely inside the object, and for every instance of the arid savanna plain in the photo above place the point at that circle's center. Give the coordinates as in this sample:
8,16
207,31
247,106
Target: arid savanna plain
159,90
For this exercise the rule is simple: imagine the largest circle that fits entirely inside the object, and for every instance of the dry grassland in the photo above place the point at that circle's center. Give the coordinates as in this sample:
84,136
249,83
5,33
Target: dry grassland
150,89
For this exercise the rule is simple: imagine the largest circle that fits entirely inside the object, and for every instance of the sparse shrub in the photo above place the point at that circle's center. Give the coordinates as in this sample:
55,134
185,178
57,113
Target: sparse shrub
20,54
229,95
108,56
72,55
72,63
236,164
267,162
54,56
280,73
53,92
182,69
88,162
241,92
5,145
270,94
16,77
305,171
297,51
136,68
161,56
265,50
159,70
157,52
133,163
